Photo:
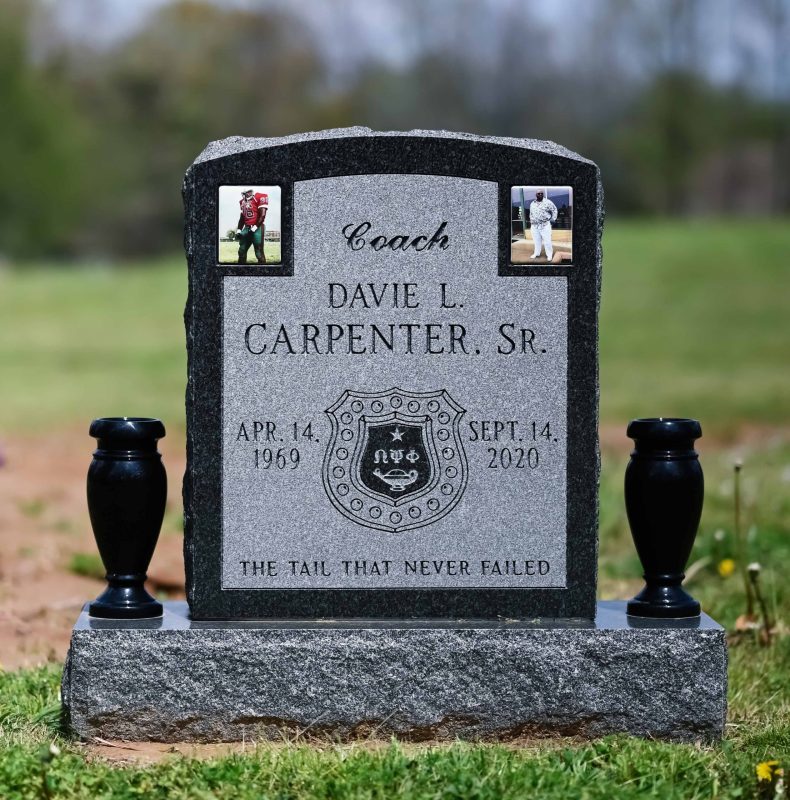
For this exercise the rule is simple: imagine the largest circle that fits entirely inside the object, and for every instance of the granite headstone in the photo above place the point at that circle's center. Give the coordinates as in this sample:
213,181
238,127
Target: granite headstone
391,490
387,415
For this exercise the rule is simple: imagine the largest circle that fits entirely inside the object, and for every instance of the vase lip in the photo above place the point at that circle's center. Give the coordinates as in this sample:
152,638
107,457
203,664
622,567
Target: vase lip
664,428
127,429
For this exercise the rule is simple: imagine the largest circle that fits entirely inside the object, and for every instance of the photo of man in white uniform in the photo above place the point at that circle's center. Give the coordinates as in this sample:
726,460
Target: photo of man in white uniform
541,225
542,213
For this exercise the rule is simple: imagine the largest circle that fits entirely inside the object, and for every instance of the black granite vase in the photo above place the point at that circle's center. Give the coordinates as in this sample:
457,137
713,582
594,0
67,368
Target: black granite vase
127,491
663,497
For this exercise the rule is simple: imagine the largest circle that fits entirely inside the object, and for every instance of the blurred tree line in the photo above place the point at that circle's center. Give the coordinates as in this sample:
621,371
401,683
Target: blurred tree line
95,139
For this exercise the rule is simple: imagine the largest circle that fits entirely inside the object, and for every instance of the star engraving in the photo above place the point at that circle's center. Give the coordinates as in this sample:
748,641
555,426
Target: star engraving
397,434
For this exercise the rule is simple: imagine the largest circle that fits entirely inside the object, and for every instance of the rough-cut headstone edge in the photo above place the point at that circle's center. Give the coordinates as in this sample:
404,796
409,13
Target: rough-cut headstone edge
232,145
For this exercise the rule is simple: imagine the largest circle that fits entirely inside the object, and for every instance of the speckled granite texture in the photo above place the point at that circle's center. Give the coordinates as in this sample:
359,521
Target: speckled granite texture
241,144
179,680
293,162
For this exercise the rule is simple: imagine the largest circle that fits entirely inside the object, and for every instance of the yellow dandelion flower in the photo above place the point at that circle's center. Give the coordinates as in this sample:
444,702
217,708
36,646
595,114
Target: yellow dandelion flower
766,770
726,567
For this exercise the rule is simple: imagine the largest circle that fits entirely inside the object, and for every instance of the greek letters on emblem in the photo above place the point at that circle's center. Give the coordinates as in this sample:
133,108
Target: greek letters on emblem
395,460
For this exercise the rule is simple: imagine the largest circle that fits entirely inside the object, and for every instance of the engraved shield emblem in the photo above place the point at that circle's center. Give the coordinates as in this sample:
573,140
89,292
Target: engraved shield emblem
395,460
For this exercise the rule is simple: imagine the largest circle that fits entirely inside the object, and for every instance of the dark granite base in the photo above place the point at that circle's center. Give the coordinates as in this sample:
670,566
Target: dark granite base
178,680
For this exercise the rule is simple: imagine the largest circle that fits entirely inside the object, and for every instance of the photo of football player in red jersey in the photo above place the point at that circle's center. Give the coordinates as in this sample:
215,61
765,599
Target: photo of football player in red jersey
255,221
250,227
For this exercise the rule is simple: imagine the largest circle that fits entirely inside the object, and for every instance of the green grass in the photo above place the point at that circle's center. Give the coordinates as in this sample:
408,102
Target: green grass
87,564
229,253
619,766
765,524
693,323
83,342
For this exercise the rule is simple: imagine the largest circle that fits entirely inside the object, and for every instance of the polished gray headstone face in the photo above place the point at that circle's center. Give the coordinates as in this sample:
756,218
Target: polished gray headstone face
494,509
395,420
183,680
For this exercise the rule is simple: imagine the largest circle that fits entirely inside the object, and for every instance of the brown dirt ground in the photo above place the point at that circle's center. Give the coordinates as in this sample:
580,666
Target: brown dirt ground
43,523
143,753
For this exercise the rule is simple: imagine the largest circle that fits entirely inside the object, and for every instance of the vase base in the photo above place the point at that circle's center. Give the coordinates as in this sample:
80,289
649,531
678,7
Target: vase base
663,602
640,609
145,611
127,602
